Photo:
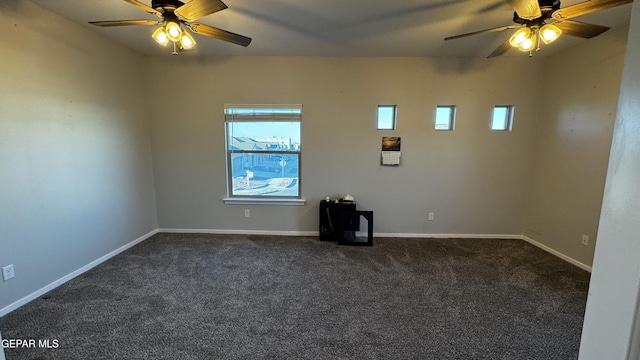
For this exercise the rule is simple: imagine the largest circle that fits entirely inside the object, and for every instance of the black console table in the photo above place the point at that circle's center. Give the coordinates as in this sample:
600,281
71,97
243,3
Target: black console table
339,221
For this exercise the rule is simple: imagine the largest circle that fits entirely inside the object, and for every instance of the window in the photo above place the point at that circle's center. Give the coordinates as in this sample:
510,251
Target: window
445,117
263,151
386,117
502,119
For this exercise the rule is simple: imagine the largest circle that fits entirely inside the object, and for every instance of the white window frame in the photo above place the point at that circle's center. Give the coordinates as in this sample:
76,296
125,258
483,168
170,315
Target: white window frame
235,113
393,120
508,121
452,117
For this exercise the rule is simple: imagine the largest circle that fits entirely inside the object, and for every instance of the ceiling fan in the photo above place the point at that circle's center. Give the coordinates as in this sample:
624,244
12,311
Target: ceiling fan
544,20
174,14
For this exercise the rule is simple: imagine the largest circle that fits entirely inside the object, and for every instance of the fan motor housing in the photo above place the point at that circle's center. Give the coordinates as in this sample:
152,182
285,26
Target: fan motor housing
161,4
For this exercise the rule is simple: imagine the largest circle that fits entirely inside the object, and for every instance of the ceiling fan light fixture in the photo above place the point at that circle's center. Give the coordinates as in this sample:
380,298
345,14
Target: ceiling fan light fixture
160,36
520,36
549,33
186,40
529,43
173,30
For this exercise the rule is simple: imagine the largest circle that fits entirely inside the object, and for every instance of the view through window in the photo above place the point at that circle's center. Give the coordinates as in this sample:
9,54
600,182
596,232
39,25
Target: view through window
263,150
502,118
386,117
445,117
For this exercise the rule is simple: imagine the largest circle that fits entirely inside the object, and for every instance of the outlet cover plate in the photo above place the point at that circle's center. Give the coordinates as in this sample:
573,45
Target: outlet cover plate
7,272
585,240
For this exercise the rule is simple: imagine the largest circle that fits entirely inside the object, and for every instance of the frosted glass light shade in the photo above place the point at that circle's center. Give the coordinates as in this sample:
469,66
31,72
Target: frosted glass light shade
187,41
549,33
160,36
529,43
520,36
173,30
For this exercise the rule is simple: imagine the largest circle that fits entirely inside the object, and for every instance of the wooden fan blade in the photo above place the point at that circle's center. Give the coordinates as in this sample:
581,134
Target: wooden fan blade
579,29
124,22
144,7
501,49
586,7
225,35
526,9
496,29
196,9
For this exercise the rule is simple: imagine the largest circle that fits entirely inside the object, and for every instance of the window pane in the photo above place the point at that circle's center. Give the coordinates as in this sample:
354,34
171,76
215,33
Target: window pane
264,136
260,174
501,118
444,117
263,150
386,117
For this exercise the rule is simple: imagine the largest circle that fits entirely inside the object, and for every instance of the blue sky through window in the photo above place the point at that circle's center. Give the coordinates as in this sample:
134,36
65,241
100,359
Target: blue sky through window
256,130
386,117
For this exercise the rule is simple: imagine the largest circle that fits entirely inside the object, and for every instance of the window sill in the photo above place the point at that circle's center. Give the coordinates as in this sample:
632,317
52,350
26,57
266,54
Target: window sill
271,201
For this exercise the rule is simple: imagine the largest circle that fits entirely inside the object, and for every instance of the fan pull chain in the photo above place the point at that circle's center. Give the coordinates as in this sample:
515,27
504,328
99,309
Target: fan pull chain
536,35
175,50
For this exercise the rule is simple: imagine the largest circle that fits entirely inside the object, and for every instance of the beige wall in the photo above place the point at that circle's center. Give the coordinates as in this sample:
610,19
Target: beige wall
545,179
474,180
576,118
75,174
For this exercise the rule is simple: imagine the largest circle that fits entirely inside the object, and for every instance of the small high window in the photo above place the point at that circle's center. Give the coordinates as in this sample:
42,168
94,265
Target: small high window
386,117
445,117
502,119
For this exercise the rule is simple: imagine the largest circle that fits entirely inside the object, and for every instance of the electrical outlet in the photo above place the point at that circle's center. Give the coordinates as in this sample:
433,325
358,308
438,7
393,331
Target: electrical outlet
247,213
7,272
585,240
431,216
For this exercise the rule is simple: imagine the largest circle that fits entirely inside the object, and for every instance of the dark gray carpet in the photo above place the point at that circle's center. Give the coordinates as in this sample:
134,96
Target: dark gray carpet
179,296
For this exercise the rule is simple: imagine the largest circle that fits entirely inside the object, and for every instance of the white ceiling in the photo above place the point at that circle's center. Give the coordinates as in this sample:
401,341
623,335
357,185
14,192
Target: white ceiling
335,27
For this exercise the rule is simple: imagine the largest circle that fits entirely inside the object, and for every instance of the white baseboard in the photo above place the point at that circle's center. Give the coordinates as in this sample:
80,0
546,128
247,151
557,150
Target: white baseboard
9,308
315,233
239,232
443,236
556,253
